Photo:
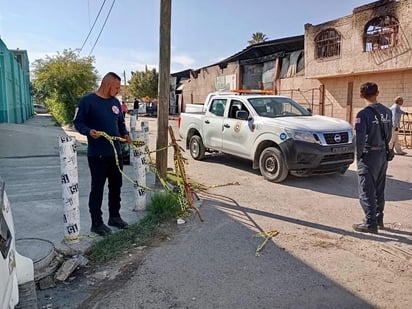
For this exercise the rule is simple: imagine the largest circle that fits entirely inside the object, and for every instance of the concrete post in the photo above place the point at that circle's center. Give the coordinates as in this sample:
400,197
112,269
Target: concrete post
132,123
132,133
70,188
144,125
139,173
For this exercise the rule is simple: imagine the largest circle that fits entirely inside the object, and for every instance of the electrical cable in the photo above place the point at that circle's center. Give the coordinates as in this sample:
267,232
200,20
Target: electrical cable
94,23
107,17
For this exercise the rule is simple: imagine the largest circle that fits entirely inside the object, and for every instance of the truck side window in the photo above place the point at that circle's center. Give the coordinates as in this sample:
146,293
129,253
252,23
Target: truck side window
234,107
233,110
218,107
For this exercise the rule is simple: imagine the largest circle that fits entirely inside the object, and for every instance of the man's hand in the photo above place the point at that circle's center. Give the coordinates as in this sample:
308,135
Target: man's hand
95,134
128,139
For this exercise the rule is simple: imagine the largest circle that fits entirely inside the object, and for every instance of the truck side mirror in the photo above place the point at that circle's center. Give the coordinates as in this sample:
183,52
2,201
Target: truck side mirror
243,115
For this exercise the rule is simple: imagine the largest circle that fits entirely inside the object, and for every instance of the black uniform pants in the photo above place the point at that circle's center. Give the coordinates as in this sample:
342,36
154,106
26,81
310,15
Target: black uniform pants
372,177
102,168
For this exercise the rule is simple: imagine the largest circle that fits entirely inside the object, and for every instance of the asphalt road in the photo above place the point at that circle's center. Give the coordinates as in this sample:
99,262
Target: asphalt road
316,260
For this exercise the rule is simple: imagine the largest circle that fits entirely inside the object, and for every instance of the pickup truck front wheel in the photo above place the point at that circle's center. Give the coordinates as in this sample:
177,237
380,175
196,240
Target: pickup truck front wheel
196,147
272,165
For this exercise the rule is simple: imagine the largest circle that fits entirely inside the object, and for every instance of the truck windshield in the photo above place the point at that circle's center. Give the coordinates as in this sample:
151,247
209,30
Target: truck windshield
277,107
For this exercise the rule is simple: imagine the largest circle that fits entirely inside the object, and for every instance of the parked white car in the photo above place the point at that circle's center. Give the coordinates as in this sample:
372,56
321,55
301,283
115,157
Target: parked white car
40,109
15,269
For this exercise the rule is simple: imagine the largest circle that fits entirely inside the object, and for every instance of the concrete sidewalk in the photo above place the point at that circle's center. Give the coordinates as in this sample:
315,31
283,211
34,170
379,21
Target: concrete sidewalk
30,167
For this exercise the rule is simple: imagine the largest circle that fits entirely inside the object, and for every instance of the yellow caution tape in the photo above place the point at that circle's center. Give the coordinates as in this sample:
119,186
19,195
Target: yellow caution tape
71,238
116,138
136,145
267,235
184,192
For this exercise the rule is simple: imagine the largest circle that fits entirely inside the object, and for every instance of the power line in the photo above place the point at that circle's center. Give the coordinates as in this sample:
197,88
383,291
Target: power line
94,23
107,17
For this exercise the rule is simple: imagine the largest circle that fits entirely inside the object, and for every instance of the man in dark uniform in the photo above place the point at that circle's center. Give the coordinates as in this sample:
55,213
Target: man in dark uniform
136,107
371,157
97,112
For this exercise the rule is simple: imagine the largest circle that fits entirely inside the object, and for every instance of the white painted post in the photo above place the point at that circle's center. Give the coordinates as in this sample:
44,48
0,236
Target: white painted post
145,129
70,188
132,133
132,123
139,173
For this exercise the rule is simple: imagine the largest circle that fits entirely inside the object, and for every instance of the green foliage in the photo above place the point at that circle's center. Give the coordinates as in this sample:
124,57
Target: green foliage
115,244
257,37
144,84
162,207
60,81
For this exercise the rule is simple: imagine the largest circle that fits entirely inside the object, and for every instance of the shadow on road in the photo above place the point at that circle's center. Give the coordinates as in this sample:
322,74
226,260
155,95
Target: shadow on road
336,184
213,265
387,235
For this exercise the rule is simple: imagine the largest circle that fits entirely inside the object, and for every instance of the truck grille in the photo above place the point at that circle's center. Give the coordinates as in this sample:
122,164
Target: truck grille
336,138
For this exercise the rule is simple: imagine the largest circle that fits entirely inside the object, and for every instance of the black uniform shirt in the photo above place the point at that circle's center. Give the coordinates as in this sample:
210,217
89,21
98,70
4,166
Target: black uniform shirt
368,131
94,112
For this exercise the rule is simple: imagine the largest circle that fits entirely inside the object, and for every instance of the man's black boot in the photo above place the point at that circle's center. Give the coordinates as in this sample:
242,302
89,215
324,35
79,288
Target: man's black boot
379,219
101,229
118,222
364,228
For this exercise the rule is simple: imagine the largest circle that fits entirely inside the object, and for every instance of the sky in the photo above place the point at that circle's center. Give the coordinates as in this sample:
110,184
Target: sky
124,37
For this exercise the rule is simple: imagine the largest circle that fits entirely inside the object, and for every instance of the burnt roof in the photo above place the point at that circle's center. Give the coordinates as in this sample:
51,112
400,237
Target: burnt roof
278,46
260,51
182,74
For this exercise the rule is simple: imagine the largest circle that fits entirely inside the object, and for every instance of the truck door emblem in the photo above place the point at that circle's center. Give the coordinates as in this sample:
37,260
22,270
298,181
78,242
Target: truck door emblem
237,127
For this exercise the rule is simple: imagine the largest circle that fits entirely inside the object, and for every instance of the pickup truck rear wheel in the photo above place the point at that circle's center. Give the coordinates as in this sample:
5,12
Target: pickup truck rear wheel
196,147
272,165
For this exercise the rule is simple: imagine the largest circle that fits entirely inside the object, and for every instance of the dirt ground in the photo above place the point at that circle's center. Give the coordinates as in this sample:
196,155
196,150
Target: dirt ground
314,217
316,260
88,283
314,228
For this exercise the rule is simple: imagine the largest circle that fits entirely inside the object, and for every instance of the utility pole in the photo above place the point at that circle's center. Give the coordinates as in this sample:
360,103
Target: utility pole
163,88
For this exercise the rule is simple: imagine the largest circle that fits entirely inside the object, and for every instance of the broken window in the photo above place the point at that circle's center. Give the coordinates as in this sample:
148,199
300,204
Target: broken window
327,44
380,33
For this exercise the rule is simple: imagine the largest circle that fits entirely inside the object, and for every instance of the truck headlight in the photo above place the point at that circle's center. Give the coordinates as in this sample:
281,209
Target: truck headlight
302,136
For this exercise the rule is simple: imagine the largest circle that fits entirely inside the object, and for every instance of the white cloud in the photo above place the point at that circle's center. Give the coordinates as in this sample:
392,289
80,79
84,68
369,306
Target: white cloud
121,60
183,61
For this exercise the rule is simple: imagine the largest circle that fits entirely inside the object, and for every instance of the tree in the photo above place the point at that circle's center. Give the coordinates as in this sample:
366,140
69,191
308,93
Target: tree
144,84
60,81
257,37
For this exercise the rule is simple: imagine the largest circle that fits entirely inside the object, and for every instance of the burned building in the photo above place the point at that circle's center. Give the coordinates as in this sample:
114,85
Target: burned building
324,68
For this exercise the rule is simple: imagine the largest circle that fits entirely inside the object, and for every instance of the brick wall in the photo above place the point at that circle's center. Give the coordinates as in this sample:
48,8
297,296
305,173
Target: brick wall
353,59
331,86
202,82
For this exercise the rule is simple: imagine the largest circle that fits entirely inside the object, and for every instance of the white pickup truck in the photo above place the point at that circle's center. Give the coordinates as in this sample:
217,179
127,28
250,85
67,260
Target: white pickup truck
277,134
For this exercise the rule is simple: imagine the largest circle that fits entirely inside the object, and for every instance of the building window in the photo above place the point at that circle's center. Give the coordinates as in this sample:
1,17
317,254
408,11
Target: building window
327,44
380,33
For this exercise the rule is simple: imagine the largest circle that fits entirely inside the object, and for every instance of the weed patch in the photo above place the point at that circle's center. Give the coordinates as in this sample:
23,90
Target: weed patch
162,207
